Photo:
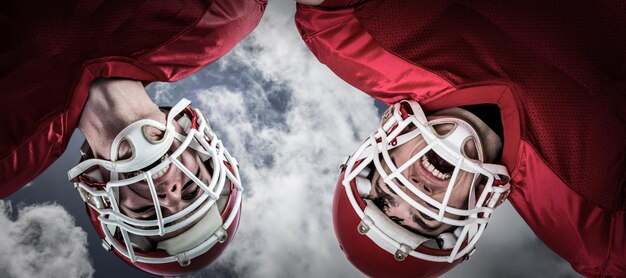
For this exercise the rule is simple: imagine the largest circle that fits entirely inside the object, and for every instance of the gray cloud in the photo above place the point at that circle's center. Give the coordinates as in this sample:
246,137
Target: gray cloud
42,241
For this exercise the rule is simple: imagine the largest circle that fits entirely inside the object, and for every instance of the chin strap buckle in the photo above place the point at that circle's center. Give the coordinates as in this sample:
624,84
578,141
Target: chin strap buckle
503,197
402,252
364,225
183,260
498,198
106,245
344,164
469,255
221,234
94,201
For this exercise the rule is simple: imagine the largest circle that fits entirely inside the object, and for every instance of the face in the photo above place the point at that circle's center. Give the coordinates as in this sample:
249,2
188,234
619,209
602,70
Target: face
175,190
431,175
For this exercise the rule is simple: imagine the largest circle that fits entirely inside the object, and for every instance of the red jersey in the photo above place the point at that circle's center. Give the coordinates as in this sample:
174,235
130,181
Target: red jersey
557,75
52,51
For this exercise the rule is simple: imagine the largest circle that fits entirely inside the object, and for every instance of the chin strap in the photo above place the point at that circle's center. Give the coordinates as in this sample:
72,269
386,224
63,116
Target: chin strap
375,217
200,232
410,241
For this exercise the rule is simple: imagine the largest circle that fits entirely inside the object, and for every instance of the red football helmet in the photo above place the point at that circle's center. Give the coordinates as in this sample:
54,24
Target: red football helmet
194,236
380,247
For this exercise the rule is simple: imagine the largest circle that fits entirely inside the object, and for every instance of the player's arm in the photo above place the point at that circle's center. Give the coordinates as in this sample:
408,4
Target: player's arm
339,40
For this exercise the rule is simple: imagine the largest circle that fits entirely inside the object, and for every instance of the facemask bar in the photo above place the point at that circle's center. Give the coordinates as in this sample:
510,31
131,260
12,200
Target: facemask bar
390,135
200,138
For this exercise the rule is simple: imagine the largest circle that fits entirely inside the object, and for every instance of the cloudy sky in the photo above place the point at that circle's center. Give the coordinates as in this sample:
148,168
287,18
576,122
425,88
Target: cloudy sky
290,122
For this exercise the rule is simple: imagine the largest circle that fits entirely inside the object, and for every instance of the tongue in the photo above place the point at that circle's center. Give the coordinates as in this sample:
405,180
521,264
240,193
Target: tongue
440,164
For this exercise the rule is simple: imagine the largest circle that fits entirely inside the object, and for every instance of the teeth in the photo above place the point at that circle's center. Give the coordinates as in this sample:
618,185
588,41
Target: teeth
156,175
160,173
136,173
433,170
164,170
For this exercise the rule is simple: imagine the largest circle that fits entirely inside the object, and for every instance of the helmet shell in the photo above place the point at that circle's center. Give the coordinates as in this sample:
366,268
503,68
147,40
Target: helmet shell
366,255
174,268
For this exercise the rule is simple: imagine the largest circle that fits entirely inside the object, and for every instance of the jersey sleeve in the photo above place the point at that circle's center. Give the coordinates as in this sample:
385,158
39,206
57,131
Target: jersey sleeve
222,26
54,52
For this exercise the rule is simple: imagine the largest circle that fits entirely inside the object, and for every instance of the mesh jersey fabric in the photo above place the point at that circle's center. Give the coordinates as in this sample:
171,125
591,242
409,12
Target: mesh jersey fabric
555,70
572,83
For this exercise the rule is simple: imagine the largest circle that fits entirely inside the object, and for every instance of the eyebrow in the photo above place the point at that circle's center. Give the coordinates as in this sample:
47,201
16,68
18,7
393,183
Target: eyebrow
417,220
386,196
411,229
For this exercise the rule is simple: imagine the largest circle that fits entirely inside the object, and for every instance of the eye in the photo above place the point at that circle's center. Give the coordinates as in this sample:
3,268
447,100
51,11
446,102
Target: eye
190,182
383,184
146,214
191,195
149,217
444,129
396,219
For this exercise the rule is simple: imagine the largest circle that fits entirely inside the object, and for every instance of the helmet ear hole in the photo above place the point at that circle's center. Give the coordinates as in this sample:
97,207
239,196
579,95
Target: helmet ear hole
153,134
443,129
470,149
125,150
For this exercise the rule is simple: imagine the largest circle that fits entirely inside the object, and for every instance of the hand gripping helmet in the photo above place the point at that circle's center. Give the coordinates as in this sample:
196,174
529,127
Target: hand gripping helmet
378,246
199,232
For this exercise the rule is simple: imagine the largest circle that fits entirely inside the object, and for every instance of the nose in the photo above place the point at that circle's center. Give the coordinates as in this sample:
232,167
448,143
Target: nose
169,195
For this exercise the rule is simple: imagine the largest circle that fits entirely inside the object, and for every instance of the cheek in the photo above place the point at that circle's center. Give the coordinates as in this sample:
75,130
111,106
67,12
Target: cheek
189,160
461,189
393,212
403,210
128,198
406,151
375,180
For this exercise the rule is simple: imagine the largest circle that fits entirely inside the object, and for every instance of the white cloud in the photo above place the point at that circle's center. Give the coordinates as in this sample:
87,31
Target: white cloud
42,241
289,161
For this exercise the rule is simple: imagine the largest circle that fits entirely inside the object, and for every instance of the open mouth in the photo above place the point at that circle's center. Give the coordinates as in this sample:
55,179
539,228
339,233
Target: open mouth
437,166
147,168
